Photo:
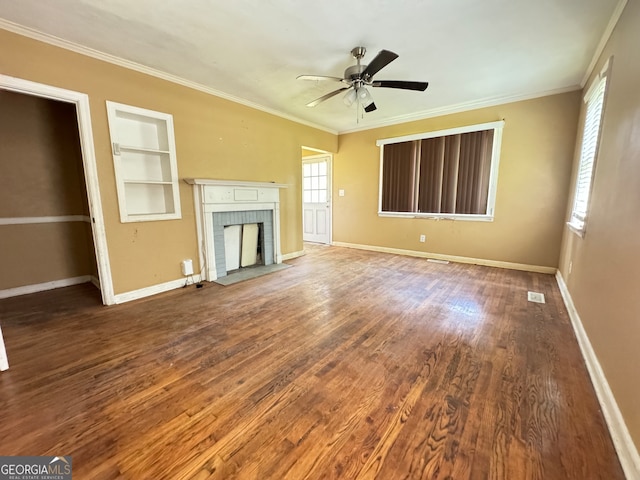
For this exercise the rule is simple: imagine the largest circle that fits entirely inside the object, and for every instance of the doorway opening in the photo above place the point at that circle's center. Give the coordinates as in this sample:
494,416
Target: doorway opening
73,108
316,196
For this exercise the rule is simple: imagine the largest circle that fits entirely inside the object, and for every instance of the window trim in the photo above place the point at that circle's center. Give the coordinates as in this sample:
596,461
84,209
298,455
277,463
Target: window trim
574,224
497,128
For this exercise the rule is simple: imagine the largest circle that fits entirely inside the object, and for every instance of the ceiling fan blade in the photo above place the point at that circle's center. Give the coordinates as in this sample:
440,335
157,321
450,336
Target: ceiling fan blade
419,86
318,77
370,108
326,97
384,58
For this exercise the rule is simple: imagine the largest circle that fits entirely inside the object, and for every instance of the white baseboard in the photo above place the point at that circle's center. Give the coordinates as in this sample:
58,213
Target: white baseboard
289,256
154,289
627,451
452,258
96,281
41,287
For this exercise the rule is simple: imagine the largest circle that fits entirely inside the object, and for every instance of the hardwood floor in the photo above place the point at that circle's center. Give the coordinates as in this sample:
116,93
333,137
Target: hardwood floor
350,365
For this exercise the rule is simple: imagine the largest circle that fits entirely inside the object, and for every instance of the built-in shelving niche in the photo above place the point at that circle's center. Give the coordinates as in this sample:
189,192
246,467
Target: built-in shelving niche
144,157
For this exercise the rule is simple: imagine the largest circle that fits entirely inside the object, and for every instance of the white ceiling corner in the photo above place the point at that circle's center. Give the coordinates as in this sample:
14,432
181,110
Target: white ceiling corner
472,52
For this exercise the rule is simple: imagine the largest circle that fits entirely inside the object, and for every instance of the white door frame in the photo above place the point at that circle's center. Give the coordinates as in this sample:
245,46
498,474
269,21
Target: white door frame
81,101
4,362
329,158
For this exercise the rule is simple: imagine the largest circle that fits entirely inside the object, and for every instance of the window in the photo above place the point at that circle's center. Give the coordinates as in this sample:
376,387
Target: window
444,174
590,140
144,157
314,181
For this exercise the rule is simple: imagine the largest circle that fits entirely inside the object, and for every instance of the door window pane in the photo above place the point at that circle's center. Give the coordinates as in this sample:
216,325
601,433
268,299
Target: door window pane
315,182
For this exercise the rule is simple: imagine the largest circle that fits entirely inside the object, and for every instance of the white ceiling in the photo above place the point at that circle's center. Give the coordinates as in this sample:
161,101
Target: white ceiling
472,52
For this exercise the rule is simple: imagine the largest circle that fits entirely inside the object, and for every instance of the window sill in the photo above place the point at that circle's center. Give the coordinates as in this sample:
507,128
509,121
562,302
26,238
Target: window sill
576,228
435,216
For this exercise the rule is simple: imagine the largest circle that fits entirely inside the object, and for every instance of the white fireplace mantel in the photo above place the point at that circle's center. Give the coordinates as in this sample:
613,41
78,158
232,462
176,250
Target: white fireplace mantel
212,195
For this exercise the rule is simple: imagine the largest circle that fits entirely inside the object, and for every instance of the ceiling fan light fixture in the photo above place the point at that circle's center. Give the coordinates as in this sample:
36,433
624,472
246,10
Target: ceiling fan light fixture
350,97
365,97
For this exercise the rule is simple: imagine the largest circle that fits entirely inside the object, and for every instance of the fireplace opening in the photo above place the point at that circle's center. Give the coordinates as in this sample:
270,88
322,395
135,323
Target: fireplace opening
243,246
229,230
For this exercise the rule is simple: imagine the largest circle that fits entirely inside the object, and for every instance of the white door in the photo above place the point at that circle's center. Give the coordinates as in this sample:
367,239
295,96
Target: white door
316,199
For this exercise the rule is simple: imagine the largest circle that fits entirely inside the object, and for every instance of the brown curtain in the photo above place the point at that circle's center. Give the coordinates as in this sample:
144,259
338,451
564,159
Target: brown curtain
450,176
438,175
473,172
431,170
398,177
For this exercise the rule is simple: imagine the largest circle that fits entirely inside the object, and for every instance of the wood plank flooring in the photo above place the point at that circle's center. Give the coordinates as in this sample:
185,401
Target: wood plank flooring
350,365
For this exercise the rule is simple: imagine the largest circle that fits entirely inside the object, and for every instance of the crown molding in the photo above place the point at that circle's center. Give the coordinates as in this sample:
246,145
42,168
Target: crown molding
457,108
105,57
461,107
613,21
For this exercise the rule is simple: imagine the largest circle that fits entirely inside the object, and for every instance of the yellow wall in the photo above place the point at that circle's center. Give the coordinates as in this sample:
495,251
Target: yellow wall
309,153
41,175
605,277
533,182
41,170
215,138
43,252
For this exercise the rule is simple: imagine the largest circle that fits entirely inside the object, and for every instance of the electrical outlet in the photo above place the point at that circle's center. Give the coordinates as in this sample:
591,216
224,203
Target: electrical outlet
423,238
187,267
341,193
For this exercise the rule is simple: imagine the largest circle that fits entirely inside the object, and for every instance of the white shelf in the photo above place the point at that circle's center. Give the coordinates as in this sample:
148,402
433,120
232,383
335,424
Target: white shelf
146,182
143,149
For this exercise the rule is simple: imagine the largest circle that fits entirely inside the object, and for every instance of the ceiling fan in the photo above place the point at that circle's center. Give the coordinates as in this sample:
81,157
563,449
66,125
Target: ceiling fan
358,77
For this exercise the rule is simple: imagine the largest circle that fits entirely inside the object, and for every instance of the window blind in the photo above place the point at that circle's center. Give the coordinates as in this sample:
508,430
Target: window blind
590,137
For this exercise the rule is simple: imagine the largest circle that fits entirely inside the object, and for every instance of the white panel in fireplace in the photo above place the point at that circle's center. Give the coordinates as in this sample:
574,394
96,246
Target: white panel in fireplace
245,195
249,245
220,194
232,246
